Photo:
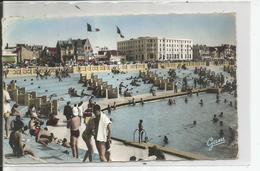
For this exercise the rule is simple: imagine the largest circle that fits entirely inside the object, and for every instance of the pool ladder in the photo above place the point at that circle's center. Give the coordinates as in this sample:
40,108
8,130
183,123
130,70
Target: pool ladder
137,130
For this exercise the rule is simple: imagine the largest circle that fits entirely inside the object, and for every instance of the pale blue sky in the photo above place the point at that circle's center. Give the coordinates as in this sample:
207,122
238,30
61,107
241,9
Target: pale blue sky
210,29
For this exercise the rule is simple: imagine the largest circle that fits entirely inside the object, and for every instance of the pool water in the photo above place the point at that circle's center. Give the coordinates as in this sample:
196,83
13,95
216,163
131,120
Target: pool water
175,121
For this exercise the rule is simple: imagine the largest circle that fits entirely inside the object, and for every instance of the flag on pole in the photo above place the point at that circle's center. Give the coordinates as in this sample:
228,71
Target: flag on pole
89,28
119,32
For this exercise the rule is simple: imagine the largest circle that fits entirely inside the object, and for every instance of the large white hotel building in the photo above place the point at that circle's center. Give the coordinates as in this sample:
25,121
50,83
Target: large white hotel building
156,49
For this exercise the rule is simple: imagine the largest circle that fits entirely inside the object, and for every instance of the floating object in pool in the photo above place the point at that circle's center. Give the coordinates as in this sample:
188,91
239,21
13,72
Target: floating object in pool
46,90
31,83
39,86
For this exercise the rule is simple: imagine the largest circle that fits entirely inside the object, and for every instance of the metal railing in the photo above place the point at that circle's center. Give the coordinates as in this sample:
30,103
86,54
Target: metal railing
140,133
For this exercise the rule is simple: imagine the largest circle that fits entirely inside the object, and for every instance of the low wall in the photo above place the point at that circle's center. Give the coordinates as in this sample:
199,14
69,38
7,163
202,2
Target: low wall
31,71
20,96
108,68
99,68
179,64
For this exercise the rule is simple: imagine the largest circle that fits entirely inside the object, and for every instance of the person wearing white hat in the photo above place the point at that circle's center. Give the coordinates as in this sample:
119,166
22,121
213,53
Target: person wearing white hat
74,124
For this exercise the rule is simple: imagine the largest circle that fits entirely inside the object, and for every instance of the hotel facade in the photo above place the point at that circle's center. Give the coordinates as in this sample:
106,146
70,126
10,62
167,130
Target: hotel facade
156,49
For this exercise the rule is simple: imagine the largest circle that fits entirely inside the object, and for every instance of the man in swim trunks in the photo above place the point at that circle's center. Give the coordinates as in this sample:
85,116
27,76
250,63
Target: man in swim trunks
74,124
103,131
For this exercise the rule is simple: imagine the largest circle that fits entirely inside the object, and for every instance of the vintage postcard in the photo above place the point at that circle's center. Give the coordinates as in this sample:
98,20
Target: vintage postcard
119,88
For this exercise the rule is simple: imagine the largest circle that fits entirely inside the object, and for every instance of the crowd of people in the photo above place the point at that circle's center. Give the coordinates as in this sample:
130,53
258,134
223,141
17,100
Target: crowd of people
98,126
59,73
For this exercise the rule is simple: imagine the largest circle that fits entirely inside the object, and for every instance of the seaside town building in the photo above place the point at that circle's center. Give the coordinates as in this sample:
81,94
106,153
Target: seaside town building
9,55
156,49
109,56
77,49
49,56
204,52
27,53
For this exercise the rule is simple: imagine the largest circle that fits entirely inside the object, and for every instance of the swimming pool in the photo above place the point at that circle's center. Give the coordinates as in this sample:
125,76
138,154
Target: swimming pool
176,122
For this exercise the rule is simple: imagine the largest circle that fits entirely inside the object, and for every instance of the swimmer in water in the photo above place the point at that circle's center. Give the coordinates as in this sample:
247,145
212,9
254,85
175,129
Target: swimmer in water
165,140
142,101
215,119
201,102
170,102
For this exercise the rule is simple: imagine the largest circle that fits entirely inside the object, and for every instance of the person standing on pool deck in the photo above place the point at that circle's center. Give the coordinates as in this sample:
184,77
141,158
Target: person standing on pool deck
6,110
86,136
141,130
103,131
74,124
67,111
80,109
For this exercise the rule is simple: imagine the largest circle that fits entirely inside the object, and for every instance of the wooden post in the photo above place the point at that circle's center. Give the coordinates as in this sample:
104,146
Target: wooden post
27,98
106,93
55,107
38,102
33,94
15,95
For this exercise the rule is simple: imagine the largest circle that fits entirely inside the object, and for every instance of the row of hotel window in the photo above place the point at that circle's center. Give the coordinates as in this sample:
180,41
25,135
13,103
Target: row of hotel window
154,49
175,41
154,40
175,56
150,45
